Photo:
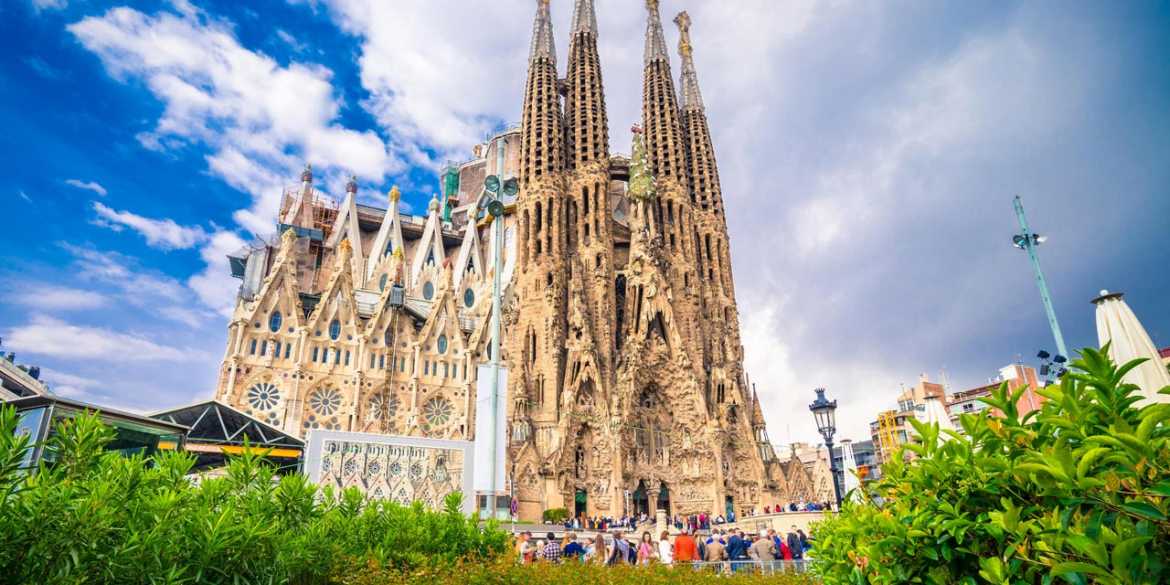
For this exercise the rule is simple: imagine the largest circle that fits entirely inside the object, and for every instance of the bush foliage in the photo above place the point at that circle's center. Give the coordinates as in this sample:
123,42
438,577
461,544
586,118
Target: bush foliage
555,515
1078,492
98,517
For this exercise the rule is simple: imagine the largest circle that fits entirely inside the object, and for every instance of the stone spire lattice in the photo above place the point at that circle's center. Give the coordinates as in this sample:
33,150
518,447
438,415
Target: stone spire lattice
689,80
542,126
587,124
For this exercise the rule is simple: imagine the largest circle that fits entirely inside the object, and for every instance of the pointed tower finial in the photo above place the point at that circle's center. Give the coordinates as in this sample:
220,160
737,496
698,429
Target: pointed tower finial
689,83
584,18
542,35
307,174
394,194
351,185
655,41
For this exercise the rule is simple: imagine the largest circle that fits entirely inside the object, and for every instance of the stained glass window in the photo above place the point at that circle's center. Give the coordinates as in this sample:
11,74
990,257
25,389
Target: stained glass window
468,298
263,396
274,321
437,412
334,329
325,401
428,291
442,344
382,282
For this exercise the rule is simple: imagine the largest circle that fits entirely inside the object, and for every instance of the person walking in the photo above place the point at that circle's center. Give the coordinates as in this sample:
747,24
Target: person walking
526,548
596,551
764,552
685,550
552,549
620,551
737,550
647,551
665,549
573,549
793,541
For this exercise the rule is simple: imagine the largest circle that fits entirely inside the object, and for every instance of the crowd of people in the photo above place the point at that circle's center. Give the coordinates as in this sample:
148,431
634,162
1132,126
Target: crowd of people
692,523
724,550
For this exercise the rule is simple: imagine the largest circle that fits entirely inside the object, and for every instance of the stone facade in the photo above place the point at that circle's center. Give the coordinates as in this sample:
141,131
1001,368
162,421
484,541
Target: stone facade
626,384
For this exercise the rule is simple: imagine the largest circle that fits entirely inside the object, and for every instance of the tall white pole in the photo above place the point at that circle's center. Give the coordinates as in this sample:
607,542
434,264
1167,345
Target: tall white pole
498,246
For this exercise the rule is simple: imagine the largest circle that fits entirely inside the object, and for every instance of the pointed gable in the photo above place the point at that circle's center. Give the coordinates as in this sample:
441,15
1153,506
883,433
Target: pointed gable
337,303
469,262
279,291
389,241
429,251
346,227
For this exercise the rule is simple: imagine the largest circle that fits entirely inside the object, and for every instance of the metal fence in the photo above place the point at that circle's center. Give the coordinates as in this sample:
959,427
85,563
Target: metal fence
769,567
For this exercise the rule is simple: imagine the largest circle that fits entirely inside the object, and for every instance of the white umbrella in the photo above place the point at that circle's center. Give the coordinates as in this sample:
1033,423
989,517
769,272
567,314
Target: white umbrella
1119,327
850,464
936,412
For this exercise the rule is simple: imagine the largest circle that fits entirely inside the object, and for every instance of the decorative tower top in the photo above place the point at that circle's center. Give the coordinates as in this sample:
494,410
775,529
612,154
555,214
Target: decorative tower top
655,41
351,185
542,35
307,174
433,207
584,18
689,82
641,179
394,194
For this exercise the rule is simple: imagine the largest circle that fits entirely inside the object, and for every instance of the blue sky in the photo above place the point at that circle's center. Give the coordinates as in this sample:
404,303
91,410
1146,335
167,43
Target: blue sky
869,153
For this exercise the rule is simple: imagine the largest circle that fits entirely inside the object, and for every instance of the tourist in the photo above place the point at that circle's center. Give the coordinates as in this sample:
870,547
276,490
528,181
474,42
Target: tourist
762,551
573,549
737,550
647,551
803,541
685,550
665,549
596,551
795,548
719,519
552,549
620,552
527,548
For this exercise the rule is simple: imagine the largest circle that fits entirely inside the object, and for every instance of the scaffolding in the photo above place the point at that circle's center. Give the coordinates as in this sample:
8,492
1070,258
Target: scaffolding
887,433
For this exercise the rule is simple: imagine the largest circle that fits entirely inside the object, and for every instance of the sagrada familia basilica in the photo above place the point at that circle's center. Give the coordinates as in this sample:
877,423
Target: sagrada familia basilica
626,389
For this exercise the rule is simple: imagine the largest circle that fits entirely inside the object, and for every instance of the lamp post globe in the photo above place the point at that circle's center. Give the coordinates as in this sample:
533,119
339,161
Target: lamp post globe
825,413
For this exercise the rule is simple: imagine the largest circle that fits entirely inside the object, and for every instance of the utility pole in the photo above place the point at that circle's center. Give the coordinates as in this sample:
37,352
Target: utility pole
1028,241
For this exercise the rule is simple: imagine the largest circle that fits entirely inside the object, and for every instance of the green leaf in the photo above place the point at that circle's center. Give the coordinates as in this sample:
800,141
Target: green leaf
1125,550
1144,509
1061,569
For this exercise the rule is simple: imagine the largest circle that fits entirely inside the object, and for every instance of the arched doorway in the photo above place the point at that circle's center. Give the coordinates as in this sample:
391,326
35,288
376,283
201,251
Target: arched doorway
580,499
640,500
663,500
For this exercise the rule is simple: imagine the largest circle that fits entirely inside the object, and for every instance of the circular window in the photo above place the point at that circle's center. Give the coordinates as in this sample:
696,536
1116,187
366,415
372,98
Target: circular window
428,291
442,344
274,321
468,298
334,329
325,401
263,396
437,412
382,406
382,282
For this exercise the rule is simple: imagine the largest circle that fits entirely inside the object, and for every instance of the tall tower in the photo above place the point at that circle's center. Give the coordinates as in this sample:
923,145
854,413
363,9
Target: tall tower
536,318
671,215
723,353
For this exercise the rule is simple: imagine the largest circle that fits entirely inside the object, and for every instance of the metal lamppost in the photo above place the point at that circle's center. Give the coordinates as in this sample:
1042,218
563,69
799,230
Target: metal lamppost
495,208
825,412
1028,241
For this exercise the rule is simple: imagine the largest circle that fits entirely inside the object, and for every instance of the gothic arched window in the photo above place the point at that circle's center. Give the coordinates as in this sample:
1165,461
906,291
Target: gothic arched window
274,321
334,329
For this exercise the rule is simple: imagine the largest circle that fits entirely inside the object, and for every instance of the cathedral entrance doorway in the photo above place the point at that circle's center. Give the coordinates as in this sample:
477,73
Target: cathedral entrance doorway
663,500
640,500
579,501
729,505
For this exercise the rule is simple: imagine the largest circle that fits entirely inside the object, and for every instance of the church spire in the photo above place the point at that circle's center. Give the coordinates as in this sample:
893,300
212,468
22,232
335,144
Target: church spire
660,113
702,171
689,80
542,132
588,126
542,36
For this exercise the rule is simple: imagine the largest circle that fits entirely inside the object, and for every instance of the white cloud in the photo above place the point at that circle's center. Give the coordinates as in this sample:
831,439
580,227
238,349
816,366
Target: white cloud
87,185
215,285
40,5
24,196
49,297
164,234
262,121
69,385
49,336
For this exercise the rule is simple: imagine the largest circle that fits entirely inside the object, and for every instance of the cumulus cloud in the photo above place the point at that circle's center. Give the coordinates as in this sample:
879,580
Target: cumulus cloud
261,120
50,297
48,336
87,185
215,286
164,234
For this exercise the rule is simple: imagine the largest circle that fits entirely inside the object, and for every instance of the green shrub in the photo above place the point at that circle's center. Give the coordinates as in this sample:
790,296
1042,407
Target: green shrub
1078,491
555,515
98,517
504,571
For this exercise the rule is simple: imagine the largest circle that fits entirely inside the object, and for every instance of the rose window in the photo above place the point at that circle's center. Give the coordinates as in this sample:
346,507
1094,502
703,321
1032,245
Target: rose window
396,468
325,401
382,405
437,412
374,468
349,467
263,396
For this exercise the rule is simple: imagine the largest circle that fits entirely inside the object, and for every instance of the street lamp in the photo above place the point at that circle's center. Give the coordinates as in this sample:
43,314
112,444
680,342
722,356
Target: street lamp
1028,241
495,208
825,413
